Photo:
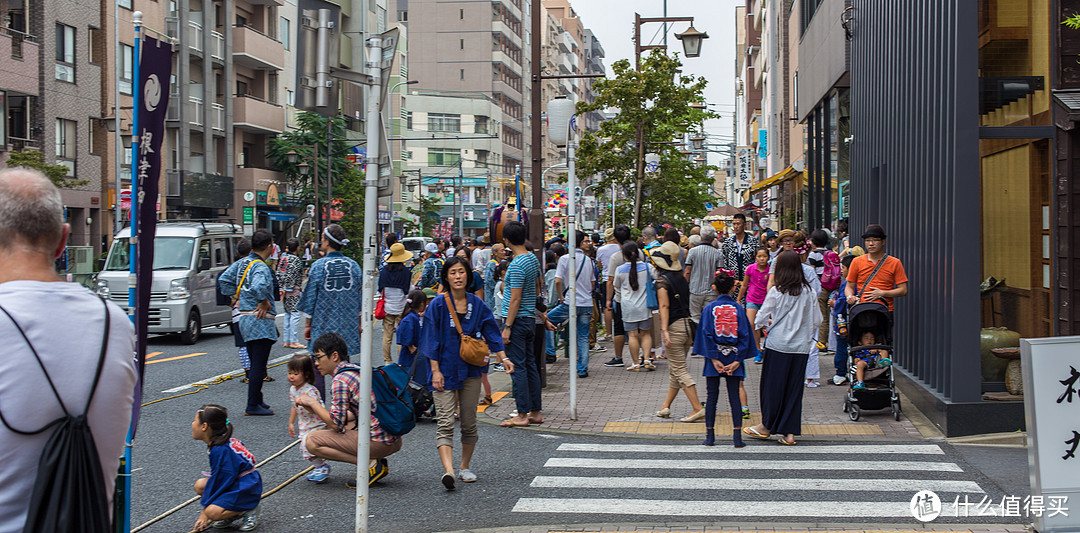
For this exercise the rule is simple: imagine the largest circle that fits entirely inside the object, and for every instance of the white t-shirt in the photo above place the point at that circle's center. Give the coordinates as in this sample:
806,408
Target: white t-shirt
480,258
395,301
64,322
634,303
603,255
584,280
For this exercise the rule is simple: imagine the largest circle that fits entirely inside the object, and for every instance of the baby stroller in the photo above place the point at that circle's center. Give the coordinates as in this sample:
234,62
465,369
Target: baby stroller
880,391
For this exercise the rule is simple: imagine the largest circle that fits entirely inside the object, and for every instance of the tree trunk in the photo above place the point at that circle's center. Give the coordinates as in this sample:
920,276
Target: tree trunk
639,175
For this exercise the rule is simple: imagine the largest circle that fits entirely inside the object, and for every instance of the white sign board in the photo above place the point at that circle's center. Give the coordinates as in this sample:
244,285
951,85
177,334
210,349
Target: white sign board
1051,369
745,173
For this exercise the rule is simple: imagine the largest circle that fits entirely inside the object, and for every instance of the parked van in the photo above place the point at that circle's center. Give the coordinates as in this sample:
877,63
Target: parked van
188,258
415,244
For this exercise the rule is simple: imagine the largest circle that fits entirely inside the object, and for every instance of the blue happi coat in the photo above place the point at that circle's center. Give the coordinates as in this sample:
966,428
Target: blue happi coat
724,322
258,285
332,299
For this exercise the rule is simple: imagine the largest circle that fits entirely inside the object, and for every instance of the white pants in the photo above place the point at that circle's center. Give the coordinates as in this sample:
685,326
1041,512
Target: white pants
813,369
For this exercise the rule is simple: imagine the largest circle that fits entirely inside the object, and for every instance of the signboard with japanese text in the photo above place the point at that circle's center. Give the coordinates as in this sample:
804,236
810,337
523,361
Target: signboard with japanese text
1051,373
745,170
763,149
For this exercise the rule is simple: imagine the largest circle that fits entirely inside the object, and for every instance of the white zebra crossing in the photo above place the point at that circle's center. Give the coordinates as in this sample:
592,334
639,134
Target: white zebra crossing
577,494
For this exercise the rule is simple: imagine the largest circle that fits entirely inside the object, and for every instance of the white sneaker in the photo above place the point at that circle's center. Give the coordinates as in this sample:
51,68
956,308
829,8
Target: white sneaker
467,475
839,380
812,384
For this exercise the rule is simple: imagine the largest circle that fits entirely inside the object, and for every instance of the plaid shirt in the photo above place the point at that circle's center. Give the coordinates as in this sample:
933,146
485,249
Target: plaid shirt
344,391
732,259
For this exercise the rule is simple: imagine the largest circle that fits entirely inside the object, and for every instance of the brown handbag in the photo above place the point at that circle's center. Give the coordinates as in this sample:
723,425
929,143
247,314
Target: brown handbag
473,350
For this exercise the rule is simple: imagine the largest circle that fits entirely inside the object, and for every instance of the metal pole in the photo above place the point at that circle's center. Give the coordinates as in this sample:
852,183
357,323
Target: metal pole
329,162
136,101
517,192
536,211
613,204
571,235
118,224
322,60
459,215
318,205
367,347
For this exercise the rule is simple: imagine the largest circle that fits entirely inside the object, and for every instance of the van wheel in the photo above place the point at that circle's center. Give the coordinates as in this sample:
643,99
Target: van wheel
194,328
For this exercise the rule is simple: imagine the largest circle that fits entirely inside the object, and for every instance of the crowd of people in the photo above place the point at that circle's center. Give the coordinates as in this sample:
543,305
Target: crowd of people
777,299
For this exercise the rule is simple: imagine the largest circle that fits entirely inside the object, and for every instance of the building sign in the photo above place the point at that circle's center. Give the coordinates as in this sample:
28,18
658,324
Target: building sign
249,215
272,197
384,217
1051,376
745,171
763,149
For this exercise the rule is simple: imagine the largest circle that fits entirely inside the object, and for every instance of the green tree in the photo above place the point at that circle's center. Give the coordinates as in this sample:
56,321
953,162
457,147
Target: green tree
344,179
427,213
653,110
36,160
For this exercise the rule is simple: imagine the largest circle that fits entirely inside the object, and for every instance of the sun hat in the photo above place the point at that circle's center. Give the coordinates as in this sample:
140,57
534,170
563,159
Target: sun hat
785,233
609,234
666,257
398,253
431,248
429,292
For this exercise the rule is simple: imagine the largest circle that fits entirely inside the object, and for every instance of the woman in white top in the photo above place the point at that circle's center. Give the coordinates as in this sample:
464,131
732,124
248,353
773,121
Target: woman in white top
792,315
631,281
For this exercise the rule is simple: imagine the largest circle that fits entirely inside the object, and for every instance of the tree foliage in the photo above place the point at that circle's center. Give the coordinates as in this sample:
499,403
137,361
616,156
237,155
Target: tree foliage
36,160
427,214
345,180
654,107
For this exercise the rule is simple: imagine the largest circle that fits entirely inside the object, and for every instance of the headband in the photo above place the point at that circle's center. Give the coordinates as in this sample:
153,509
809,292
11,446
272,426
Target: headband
802,249
728,273
326,233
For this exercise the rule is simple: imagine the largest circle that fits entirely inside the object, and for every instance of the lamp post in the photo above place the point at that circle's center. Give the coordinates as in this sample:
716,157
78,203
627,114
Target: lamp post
292,156
691,38
561,132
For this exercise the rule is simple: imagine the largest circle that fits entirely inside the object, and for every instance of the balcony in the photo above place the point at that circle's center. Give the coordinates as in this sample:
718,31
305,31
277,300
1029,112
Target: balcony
195,111
568,63
207,190
511,7
254,49
565,42
498,26
172,182
20,72
217,46
217,114
258,179
195,31
257,115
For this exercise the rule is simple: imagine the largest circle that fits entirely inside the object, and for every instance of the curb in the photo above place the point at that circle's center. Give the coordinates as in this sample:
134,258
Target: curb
767,526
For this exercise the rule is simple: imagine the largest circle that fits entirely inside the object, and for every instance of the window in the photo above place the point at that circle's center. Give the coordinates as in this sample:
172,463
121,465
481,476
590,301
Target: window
65,53
444,122
127,74
461,14
126,4
462,74
481,125
461,44
290,97
482,158
65,144
443,157
94,44
241,20
241,88
403,16
408,120
285,36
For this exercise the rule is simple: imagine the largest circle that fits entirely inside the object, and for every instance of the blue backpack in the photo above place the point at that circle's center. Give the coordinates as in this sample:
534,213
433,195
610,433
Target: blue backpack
393,402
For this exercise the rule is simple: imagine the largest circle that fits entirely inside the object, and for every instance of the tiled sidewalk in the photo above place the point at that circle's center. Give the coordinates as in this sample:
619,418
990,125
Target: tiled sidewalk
613,400
770,528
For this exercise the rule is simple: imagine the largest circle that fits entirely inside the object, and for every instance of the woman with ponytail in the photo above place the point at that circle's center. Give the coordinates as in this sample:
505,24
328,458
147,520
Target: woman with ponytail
631,281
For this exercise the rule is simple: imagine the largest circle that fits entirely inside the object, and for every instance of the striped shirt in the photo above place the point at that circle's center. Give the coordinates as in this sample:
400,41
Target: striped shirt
522,273
703,259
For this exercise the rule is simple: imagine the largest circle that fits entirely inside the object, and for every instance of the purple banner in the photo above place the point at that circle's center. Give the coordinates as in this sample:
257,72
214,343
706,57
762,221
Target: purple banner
155,70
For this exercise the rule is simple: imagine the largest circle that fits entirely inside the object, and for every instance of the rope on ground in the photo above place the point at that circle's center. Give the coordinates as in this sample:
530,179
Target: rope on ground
164,515
279,487
203,386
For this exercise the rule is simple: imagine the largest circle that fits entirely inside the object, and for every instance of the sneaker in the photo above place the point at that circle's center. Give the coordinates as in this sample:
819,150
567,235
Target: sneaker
319,474
758,360
498,367
859,386
249,520
467,476
812,384
227,524
551,359
884,363
583,374
379,471
615,361
746,413
448,481
599,348
839,380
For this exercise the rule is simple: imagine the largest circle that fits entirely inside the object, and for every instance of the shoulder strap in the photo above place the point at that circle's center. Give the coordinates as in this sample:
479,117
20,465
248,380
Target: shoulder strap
240,284
453,311
93,388
872,274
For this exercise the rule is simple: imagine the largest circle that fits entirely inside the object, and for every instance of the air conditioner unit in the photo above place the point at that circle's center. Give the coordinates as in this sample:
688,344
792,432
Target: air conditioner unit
80,259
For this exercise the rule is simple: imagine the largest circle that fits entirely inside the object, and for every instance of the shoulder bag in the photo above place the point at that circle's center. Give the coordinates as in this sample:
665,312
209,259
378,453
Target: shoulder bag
473,350
862,289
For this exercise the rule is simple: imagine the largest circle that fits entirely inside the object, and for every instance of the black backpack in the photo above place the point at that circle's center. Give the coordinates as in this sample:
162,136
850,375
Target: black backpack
69,491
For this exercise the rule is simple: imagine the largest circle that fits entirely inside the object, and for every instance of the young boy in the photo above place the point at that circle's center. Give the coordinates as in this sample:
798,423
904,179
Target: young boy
868,359
838,304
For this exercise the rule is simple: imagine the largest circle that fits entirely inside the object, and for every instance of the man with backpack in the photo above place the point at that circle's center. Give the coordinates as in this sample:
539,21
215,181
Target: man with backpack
339,442
50,374
826,265
584,276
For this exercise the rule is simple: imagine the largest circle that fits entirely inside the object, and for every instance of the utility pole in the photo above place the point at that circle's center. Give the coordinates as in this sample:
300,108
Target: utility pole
460,215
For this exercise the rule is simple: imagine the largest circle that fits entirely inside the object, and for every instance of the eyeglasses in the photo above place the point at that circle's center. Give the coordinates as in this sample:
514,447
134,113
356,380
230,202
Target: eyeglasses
318,356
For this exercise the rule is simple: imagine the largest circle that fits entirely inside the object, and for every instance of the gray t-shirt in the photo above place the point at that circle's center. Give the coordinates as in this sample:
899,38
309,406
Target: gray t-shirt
704,260
42,310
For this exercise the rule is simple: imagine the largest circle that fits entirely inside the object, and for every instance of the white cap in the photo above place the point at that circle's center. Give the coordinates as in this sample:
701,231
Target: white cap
431,247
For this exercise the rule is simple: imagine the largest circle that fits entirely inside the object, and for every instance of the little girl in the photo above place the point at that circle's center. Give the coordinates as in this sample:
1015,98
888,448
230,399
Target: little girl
408,331
752,293
868,359
302,379
233,488
725,338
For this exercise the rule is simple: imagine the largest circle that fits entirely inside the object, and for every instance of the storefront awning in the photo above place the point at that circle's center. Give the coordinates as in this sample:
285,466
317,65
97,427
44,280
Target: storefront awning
774,180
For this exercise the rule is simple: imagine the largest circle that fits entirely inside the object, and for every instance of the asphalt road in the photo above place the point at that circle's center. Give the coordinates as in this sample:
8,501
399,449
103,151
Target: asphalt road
530,477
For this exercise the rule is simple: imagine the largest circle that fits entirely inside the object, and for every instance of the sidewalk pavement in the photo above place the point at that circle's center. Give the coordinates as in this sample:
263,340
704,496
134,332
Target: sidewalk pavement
769,527
614,401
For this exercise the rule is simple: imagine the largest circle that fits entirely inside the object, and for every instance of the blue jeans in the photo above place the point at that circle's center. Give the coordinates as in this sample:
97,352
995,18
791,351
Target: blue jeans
560,314
292,321
550,342
526,376
840,358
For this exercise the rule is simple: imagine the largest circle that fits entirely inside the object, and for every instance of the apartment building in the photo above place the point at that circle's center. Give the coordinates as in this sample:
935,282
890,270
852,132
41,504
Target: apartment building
594,64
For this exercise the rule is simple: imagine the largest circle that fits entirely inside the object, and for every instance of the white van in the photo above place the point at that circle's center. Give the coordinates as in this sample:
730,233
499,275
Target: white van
188,258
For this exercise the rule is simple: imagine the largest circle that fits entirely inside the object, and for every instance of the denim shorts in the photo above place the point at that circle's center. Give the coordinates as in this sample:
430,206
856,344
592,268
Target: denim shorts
752,305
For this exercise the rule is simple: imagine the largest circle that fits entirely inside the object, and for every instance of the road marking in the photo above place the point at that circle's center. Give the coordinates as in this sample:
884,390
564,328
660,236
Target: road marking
167,359
720,464
913,449
154,354
875,485
825,509
495,396
237,372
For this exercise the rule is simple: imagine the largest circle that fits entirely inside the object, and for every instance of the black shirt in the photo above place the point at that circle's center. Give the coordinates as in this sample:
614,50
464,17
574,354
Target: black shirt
678,290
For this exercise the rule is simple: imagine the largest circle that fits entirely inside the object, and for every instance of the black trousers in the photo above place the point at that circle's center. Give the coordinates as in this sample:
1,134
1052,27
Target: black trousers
259,353
782,378
712,388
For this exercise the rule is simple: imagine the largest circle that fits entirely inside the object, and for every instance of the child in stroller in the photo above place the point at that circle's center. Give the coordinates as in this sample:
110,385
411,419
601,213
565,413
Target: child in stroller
868,358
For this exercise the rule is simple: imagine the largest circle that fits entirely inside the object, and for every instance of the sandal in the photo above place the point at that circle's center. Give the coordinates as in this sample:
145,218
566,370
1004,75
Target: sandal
633,368
784,441
751,432
486,400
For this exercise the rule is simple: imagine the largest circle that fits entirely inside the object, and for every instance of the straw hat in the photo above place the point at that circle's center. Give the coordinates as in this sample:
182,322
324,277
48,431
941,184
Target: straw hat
398,253
666,257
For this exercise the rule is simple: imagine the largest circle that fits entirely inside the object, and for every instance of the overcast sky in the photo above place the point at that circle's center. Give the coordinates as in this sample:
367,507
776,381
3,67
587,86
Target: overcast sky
613,23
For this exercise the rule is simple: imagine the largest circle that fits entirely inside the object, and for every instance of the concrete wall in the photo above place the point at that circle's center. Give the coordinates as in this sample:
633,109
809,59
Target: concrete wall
823,55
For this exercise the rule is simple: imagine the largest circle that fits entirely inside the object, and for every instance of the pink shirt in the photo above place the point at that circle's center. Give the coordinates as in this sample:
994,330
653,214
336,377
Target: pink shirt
758,284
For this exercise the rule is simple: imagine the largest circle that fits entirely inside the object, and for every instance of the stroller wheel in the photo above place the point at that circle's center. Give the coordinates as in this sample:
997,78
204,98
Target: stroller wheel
846,406
896,410
853,414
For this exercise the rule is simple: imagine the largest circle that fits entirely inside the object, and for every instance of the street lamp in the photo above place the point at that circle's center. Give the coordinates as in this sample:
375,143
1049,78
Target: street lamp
292,157
691,41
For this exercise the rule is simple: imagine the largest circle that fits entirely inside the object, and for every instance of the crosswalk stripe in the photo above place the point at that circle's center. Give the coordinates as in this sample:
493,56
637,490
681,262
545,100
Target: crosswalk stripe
874,485
747,464
824,509
870,449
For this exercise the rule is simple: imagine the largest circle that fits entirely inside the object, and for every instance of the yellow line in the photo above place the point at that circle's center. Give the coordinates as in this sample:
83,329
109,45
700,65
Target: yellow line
151,355
175,358
495,396
667,428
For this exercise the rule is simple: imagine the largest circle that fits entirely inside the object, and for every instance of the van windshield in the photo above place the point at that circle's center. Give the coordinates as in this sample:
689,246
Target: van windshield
170,253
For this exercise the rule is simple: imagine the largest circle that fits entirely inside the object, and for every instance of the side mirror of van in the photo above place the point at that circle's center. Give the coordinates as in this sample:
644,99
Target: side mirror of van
204,264
101,264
